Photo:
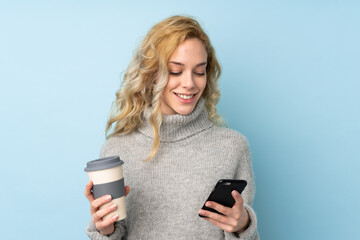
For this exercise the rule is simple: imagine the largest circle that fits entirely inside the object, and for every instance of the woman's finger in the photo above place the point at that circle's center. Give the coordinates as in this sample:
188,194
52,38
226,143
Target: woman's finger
238,199
215,216
99,202
88,192
103,224
127,190
218,207
223,226
97,216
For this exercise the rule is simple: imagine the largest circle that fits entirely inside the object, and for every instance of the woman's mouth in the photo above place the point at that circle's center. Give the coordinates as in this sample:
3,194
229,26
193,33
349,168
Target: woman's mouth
185,97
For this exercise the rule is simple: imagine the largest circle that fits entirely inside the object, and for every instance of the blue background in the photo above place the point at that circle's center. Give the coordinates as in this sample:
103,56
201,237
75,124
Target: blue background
290,84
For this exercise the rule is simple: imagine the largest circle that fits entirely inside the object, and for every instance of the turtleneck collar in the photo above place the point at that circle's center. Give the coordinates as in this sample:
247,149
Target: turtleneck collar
177,127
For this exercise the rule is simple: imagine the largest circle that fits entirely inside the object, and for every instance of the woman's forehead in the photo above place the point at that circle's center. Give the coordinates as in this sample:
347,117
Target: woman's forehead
191,51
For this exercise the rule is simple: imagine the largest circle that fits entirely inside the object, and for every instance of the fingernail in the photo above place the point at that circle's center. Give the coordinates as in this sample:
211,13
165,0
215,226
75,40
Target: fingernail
208,204
115,217
113,206
235,193
108,197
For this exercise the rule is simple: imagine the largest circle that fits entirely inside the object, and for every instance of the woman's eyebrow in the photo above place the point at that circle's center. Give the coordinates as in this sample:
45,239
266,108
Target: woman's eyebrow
181,64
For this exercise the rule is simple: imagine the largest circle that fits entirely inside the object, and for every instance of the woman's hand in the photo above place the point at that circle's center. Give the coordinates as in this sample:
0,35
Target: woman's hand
105,227
235,219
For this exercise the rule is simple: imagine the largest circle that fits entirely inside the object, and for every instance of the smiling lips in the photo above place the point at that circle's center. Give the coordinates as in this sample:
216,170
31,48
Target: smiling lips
185,96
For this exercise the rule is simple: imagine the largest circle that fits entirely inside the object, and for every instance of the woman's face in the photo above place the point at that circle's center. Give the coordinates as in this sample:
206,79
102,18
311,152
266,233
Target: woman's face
187,78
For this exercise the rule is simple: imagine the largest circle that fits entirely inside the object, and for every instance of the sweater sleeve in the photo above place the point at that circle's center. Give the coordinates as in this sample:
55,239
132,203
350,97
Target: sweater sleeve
118,233
244,171
120,228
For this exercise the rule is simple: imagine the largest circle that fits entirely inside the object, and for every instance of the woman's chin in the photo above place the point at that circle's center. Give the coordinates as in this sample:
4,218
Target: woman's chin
185,110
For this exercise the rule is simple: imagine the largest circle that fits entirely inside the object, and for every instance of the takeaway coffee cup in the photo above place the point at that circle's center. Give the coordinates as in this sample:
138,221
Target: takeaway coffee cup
107,177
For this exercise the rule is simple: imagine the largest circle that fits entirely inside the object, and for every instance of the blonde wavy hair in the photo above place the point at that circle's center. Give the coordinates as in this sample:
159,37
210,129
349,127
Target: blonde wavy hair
140,89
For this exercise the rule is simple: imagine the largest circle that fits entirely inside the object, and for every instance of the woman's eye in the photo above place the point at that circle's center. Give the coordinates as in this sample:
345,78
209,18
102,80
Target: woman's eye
175,73
200,74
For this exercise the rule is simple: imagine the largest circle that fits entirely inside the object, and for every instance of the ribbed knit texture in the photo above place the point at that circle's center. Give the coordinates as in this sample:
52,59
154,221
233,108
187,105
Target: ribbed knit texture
168,191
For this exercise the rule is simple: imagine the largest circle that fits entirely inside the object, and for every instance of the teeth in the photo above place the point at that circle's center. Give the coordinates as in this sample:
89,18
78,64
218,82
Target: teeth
186,97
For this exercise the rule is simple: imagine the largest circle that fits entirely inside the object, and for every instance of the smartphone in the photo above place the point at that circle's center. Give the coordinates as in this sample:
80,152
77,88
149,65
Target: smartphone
222,193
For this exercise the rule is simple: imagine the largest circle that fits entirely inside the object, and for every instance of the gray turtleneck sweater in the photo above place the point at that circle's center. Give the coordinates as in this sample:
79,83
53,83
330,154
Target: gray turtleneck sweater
168,191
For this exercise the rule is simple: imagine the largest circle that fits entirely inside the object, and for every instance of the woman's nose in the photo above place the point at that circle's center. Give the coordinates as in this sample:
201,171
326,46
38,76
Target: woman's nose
187,81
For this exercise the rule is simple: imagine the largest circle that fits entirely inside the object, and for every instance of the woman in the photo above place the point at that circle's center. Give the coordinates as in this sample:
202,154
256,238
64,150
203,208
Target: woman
170,137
